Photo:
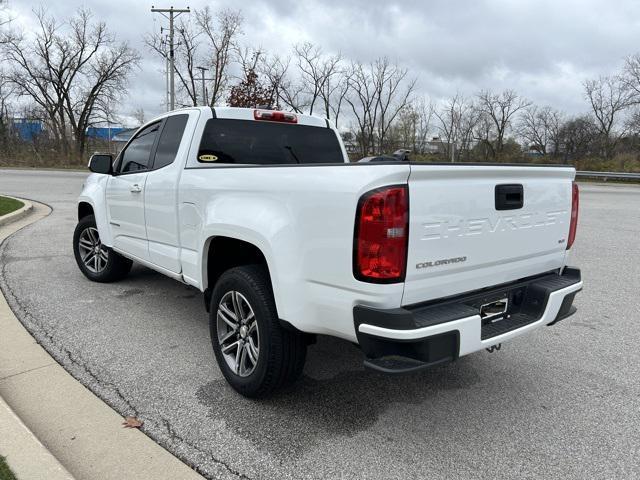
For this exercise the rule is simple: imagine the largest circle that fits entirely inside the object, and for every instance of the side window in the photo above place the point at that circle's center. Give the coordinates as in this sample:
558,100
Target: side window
137,155
170,140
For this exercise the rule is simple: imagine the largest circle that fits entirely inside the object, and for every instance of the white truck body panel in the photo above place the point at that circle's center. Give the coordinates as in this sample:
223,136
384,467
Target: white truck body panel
276,209
453,216
301,217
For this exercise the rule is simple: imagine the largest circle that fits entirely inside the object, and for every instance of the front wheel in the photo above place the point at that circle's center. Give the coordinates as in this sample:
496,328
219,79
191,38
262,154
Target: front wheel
254,352
96,261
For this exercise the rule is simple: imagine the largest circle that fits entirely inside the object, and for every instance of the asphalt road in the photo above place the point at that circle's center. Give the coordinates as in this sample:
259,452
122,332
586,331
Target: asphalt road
562,402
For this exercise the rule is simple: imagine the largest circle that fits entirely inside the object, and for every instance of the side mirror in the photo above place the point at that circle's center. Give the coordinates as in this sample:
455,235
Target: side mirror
101,163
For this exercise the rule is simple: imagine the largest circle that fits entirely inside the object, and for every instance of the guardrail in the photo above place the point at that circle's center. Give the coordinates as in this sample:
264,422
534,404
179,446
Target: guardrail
609,175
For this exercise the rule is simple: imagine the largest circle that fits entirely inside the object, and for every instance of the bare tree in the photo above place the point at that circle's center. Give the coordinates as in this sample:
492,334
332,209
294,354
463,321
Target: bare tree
251,91
334,93
186,62
317,72
540,127
7,91
5,18
362,99
500,108
609,97
393,91
286,92
209,42
222,31
457,118
377,94
413,125
468,122
484,135
69,71
424,114
186,59
249,59
403,133
139,115
576,137
630,77
323,81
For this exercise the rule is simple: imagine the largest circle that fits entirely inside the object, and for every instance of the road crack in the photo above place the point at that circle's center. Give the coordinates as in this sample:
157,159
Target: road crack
175,436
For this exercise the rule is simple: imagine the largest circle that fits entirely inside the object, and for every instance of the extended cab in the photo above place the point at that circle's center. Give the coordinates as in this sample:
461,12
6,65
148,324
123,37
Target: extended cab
261,210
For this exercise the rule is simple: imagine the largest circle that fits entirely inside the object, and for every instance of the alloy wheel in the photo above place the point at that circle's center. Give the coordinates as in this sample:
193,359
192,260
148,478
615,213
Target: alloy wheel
93,254
238,333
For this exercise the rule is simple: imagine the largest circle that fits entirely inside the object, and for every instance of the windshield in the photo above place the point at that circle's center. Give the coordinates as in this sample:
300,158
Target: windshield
267,143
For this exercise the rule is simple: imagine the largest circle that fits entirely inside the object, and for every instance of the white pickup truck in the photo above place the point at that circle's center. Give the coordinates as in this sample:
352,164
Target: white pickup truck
261,210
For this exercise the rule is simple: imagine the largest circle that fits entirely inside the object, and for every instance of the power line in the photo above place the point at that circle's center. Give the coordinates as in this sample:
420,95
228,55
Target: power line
172,14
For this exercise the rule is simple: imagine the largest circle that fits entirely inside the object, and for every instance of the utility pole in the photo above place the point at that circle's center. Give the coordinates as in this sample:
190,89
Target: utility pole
166,87
164,41
172,15
204,91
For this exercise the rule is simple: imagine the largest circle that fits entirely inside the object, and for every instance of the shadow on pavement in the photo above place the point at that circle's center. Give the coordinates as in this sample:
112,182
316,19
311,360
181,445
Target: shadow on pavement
321,406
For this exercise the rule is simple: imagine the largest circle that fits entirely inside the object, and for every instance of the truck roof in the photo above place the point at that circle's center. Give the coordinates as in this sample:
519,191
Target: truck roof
248,114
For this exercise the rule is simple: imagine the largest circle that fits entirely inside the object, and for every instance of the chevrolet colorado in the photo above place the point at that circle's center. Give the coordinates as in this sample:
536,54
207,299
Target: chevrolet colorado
261,210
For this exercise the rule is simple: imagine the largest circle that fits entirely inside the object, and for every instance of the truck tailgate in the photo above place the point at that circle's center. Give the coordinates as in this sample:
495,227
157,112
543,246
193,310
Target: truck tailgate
468,231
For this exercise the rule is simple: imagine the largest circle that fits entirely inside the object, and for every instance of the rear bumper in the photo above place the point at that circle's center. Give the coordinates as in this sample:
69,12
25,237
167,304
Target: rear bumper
418,336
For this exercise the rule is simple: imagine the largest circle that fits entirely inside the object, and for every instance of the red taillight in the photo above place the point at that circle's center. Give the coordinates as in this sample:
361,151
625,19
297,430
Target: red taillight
381,234
273,116
575,202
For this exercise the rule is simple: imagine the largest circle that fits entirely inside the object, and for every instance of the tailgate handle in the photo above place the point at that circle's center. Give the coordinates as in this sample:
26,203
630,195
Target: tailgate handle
509,196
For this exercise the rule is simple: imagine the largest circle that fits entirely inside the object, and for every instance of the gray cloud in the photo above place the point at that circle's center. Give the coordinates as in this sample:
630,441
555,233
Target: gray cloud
543,49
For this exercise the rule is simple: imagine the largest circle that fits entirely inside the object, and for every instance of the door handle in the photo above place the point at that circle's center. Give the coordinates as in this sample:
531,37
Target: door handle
135,188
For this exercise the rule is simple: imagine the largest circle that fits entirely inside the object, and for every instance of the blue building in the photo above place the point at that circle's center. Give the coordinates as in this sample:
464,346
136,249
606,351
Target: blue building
27,129
103,133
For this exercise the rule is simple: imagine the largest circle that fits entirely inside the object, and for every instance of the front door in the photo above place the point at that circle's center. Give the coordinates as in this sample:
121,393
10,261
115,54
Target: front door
161,194
125,194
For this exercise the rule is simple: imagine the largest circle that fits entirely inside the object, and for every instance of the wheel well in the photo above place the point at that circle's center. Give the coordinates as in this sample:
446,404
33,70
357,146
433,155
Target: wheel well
84,210
225,253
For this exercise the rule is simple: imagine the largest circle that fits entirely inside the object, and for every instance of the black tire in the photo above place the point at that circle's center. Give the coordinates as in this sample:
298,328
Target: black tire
281,353
115,267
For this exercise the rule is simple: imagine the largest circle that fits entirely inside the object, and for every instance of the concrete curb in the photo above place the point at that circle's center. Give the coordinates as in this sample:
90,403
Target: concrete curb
17,214
82,432
24,453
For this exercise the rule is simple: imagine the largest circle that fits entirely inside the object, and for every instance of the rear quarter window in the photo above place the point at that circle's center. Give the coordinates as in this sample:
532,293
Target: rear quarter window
170,139
228,141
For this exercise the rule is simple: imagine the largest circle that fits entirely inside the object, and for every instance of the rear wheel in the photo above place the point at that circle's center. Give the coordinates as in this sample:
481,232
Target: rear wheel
96,261
254,352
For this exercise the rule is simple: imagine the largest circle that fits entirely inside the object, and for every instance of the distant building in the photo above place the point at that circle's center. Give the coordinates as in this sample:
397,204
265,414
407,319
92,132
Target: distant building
124,135
27,129
532,152
432,147
103,133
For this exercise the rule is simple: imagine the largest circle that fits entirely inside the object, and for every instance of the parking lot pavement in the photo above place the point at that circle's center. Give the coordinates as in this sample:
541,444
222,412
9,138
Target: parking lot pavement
559,403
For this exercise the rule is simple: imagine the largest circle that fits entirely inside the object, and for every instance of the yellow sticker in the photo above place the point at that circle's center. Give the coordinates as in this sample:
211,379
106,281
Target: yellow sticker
207,158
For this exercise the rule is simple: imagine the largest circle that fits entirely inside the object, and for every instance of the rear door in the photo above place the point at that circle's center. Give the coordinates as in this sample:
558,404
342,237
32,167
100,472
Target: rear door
125,194
476,226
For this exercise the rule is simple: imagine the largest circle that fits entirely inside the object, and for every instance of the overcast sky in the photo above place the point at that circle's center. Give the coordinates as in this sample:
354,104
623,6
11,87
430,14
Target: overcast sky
543,49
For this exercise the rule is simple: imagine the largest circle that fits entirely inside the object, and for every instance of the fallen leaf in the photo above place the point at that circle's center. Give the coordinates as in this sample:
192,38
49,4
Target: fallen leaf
132,422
